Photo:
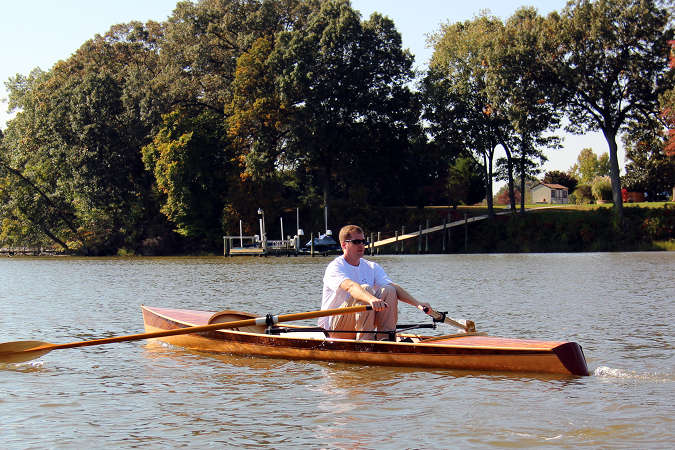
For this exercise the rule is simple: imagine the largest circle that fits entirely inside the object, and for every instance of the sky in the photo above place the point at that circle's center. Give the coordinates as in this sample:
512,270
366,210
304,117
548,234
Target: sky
39,33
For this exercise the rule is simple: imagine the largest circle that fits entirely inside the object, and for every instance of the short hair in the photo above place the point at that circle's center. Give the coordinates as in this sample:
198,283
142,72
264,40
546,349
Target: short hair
347,230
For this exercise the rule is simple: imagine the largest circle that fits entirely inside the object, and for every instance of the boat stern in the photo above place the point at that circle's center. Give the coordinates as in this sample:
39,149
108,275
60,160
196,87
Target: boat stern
572,357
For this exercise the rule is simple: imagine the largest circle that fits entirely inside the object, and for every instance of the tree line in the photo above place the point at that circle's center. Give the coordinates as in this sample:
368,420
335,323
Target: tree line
159,135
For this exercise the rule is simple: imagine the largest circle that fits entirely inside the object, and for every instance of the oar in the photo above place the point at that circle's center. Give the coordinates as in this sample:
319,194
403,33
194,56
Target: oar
469,326
20,351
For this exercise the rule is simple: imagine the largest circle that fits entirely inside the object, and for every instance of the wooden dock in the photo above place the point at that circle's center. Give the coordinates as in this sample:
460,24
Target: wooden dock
376,244
258,248
289,247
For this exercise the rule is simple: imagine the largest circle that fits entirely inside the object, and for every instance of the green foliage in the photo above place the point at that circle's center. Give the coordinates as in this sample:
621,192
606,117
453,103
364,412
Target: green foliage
561,178
343,83
455,93
607,61
649,169
589,166
582,195
192,124
602,188
190,165
572,231
73,150
466,184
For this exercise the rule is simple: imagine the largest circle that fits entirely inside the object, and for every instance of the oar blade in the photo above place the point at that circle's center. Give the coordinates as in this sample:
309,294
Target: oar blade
20,351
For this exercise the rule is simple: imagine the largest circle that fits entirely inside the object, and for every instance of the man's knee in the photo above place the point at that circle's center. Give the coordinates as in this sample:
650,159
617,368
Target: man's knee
387,293
389,290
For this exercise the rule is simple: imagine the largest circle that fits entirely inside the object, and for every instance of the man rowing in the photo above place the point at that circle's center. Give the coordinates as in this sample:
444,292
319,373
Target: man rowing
350,280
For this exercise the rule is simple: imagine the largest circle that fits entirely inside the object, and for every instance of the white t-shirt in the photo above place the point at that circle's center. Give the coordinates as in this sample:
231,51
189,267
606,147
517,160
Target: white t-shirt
367,272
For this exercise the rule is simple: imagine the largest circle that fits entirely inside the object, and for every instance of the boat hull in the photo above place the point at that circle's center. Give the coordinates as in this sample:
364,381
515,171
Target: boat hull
481,353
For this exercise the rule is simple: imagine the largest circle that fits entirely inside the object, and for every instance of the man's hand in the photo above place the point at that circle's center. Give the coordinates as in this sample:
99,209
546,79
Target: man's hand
424,306
377,304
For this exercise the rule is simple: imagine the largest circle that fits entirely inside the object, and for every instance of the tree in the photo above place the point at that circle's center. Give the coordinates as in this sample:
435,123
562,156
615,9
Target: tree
649,169
191,169
466,184
257,118
458,107
667,102
75,143
607,65
589,166
527,163
519,90
561,178
344,85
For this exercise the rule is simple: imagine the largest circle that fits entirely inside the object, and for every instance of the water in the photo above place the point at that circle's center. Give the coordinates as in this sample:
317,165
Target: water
618,306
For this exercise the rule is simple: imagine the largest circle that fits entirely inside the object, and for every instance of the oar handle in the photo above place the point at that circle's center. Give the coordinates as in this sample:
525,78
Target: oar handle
469,327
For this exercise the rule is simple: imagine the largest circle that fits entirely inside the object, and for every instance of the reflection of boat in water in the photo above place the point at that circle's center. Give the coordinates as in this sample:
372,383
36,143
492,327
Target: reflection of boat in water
324,244
468,351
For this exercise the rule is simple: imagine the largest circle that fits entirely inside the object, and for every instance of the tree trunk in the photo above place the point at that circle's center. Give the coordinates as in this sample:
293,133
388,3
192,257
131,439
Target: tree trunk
522,186
487,161
509,169
57,210
610,136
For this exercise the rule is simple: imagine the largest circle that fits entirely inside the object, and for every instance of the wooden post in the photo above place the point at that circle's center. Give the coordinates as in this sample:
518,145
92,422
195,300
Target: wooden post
419,240
226,249
466,232
449,239
311,243
379,238
396,242
426,239
402,243
372,236
445,226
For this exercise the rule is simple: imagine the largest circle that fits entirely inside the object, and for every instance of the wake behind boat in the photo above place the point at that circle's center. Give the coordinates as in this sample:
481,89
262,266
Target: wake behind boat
463,351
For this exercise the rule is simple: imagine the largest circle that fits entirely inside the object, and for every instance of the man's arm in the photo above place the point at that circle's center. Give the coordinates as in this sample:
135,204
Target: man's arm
404,296
361,295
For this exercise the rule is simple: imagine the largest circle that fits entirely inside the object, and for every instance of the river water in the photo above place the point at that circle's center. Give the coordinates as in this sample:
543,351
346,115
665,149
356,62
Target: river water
618,306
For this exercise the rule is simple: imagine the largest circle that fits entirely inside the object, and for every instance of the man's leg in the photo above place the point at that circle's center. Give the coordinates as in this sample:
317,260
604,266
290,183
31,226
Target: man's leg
359,321
386,319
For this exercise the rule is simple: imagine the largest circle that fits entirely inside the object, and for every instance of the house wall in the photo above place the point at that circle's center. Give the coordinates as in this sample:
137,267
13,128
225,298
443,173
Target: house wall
559,196
544,194
541,195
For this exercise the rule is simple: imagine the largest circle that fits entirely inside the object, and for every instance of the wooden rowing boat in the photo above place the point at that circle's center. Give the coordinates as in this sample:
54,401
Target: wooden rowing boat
464,351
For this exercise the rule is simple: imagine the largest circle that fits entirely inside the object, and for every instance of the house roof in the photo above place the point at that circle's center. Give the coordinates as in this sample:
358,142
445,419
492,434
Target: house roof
551,186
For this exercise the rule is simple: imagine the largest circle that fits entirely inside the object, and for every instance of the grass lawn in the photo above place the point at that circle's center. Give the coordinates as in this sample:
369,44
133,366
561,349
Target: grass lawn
568,207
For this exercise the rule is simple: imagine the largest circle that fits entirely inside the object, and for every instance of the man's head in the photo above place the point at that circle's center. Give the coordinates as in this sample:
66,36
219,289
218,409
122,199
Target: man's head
348,231
353,251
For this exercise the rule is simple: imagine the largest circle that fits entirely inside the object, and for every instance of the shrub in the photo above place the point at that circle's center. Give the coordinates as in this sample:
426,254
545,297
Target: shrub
602,188
582,195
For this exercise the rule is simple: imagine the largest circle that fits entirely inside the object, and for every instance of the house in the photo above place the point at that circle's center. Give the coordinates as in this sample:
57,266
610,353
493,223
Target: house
549,193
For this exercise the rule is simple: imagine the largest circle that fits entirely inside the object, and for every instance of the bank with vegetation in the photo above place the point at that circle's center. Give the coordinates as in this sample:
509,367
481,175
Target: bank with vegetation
160,138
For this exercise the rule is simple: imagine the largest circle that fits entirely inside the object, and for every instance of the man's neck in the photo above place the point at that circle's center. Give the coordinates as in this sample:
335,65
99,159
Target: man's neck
353,261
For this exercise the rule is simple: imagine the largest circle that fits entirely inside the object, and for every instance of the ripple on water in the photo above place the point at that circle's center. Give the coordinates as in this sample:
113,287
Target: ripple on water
155,395
609,372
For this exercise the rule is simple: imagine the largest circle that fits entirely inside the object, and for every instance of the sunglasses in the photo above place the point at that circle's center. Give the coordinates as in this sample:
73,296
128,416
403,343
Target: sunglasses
357,241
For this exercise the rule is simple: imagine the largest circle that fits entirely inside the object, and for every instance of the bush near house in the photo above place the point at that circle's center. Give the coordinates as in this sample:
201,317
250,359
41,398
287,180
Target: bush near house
582,195
602,188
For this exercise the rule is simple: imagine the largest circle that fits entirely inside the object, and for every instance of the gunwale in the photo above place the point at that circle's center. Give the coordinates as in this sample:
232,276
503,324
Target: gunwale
483,353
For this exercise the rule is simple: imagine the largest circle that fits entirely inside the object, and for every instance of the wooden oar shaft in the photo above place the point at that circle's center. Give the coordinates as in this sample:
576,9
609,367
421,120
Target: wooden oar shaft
202,328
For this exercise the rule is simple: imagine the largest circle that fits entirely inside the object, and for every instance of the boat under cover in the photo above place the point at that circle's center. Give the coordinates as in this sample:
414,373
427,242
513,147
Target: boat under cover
462,351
